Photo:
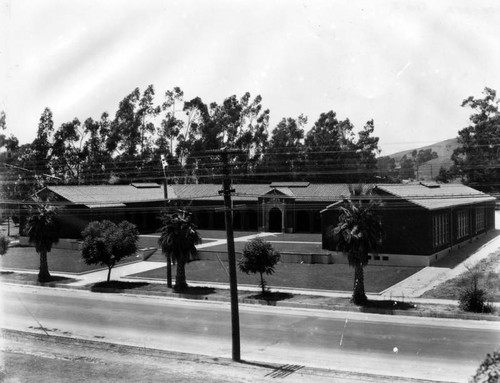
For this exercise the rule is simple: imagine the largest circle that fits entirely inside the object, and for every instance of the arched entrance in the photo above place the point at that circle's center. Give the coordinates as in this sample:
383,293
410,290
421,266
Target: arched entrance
275,220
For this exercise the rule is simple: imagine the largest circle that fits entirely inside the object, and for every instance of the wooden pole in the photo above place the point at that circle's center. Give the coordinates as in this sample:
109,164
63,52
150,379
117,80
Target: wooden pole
233,285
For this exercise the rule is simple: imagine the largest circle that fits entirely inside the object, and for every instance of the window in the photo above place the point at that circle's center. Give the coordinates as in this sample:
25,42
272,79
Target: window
441,230
480,222
462,224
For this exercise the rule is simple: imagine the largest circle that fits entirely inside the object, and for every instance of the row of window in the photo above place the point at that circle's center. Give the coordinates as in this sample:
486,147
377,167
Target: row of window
441,225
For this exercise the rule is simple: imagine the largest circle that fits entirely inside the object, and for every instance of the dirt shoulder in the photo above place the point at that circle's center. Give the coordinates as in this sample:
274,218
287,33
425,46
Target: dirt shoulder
42,358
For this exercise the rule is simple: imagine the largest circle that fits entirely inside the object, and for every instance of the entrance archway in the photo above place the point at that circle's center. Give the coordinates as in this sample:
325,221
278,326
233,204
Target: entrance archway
275,220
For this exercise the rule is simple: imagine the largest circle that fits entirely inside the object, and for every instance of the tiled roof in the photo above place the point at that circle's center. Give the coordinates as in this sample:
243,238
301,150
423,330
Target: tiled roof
438,196
106,195
94,196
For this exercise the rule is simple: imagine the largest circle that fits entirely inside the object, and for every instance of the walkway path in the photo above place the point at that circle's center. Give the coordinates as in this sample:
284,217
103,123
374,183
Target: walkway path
120,272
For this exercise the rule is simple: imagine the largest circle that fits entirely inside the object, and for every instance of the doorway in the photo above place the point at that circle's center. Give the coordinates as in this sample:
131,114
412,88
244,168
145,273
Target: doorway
275,220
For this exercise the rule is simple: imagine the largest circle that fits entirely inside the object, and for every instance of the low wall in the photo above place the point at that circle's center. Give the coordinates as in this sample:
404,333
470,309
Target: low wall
208,255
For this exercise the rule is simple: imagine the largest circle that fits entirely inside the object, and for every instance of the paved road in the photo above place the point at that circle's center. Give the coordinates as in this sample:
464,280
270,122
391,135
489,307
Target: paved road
427,348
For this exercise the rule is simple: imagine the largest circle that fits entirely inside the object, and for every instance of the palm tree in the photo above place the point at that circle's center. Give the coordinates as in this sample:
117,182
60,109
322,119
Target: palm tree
178,240
358,232
43,232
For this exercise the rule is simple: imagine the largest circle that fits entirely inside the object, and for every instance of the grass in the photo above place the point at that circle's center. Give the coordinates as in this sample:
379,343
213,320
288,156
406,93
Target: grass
489,280
337,277
60,260
12,277
282,247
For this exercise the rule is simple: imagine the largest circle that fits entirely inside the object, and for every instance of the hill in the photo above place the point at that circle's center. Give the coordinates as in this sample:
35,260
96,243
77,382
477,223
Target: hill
444,149
430,169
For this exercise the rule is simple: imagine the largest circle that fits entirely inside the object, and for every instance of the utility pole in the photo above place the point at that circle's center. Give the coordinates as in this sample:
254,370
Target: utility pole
164,164
233,285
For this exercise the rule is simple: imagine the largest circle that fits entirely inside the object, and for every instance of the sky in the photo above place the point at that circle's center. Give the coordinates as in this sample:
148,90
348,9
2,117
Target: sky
405,64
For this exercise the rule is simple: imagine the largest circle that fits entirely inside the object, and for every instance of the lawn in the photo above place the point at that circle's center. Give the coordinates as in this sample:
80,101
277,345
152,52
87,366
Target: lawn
337,277
489,280
60,260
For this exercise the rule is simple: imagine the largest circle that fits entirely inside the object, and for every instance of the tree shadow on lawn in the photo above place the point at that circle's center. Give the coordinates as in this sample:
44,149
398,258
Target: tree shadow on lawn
271,297
116,286
32,279
196,290
385,306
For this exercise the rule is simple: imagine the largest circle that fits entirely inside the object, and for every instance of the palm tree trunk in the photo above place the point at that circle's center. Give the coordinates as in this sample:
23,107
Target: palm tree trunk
43,274
180,277
358,293
109,272
169,270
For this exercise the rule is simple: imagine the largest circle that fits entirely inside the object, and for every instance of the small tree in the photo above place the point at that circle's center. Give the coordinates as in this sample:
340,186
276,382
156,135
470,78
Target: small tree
43,231
106,243
178,240
259,257
4,244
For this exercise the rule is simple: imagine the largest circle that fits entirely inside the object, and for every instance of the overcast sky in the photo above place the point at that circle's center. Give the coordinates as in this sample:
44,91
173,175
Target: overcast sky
406,64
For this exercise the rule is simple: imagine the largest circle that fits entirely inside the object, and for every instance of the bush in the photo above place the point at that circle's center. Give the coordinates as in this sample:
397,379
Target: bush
4,244
489,370
471,297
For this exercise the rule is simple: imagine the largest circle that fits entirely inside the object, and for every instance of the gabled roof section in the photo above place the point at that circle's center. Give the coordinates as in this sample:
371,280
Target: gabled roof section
283,191
99,196
432,198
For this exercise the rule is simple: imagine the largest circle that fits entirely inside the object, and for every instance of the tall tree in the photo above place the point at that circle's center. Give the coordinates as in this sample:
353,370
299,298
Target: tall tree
67,152
234,124
178,240
43,231
367,150
131,135
335,155
284,158
97,164
477,159
37,157
329,149
107,243
358,232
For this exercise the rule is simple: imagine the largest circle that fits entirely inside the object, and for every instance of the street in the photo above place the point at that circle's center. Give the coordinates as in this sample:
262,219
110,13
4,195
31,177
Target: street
424,348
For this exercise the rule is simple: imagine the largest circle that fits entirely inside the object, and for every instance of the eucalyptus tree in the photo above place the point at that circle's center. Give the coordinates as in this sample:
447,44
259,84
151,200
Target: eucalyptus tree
236,123
477,159
68,153
284,157
98,163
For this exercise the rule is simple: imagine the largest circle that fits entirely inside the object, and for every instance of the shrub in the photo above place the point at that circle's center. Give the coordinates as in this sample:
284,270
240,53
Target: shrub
489,370
4,244
471,297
